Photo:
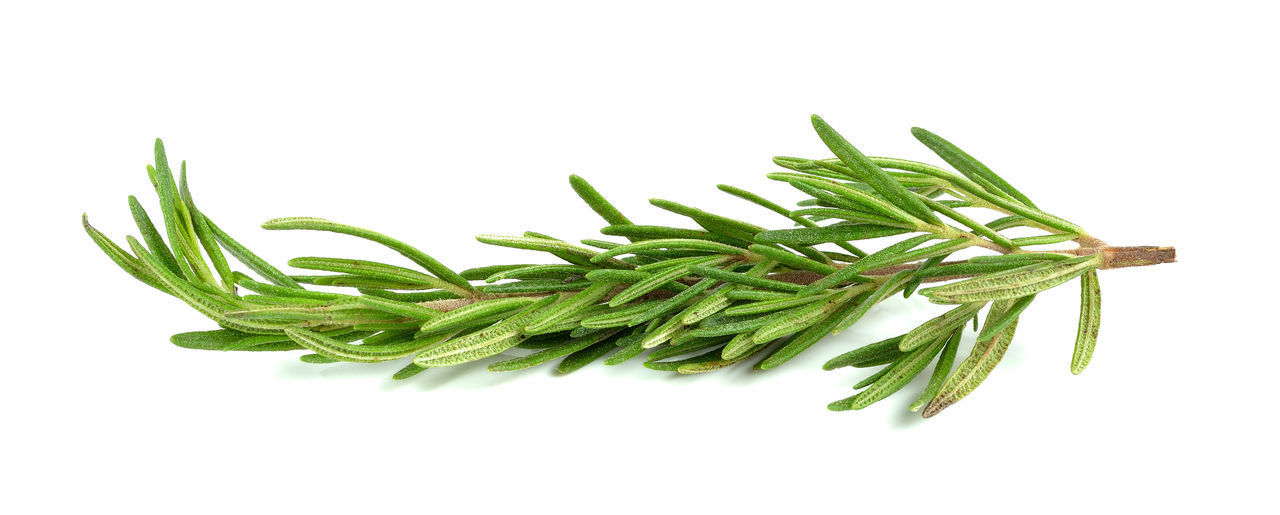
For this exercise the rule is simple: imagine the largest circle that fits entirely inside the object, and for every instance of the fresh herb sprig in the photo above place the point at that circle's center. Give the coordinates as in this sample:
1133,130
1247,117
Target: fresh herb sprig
695,300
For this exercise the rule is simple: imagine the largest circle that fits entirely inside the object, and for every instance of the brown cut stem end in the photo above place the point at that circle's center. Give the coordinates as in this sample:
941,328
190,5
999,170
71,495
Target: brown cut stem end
1143,255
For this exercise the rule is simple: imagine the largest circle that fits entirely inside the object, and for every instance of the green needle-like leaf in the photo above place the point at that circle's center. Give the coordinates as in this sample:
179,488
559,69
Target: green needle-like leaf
467,315
653,232
122,258
1090,318
984,357
482,343
669,244
417,256
745,279
155,243
337,350
941,369
251,260
1012,284
597,202
710,221
791,260
897,376
766,306
869,353
831,233
941,325
404,309
370,269
997,324
548,354
966,164
867,171
567,251
573,304
584,357
800,342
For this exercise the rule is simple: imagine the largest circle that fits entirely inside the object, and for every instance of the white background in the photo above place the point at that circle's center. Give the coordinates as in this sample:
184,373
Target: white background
1149,123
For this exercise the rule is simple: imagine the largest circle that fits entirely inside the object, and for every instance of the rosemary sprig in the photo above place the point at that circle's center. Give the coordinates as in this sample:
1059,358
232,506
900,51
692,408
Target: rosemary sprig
696,299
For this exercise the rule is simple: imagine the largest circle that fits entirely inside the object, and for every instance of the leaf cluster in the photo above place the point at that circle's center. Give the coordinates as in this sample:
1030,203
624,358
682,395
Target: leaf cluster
689,299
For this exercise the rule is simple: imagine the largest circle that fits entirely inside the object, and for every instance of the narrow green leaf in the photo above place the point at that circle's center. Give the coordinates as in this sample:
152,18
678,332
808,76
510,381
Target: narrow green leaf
766,306
203,233
564,250
317,359
686,347
567,307
866,353
652,283
966,164
404,309
207,303
669,305
984,357
867,171
851,273
896,376
282,291
248,258
672,366
887,289
122,258
483,343
1044,239
597,201
801,342
408,371
534,286
710,221
584,357
175,225
995,325
653,232
701,366
669,244
968,186
941,369
629,347
370,269
867,381
797,319
537,272
745,279
830,233
841,195
758,295
739,346
1011,284
482,272
767,204
425,296
466,315
977,227
619,316
417,256
936,327
155,243
220,339
334,349
569,347
920,274
1090,318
